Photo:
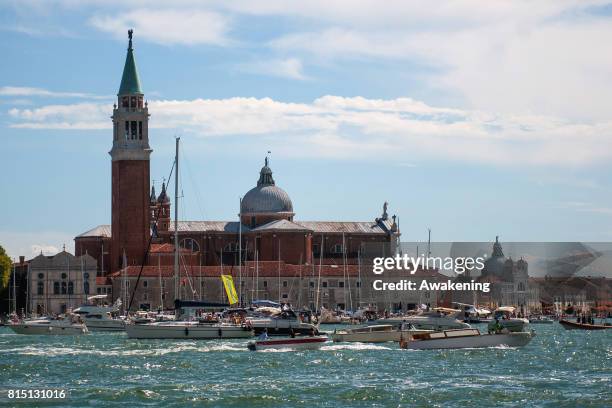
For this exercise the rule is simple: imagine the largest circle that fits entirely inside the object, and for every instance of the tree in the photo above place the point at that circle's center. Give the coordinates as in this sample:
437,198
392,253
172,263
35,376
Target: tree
5,269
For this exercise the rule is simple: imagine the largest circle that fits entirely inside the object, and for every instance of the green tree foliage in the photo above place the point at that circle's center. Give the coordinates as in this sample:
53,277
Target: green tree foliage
5,268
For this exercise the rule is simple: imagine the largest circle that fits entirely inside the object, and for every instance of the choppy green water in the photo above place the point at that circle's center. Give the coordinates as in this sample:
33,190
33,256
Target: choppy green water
558,368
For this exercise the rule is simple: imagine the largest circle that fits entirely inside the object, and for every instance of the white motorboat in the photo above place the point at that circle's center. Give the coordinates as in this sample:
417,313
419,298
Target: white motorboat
294,343
380,333
439,318
47,326
540,320
502,316
188,330
280,322
465,338
98,317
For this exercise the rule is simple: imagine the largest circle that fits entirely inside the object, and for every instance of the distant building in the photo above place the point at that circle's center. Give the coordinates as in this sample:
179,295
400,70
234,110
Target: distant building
60,282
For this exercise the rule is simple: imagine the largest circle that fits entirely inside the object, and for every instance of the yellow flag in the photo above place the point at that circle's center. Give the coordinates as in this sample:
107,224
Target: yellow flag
228,283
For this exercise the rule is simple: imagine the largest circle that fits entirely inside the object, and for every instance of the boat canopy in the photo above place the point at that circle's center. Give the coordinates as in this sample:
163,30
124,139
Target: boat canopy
179,304
95,297
265,303
508,309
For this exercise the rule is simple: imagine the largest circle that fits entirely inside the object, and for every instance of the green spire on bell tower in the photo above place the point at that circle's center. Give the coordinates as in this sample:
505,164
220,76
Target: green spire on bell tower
130,83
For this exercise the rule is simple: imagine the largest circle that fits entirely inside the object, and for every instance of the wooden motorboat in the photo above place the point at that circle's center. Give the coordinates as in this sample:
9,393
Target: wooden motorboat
294,343
379,333
465,338
583,326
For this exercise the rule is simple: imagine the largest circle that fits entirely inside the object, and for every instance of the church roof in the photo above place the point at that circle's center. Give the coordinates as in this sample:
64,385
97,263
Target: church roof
99,231
331,227
130,82
281,225
213,226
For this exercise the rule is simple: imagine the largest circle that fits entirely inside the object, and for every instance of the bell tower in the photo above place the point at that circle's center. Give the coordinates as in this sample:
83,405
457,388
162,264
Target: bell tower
130,169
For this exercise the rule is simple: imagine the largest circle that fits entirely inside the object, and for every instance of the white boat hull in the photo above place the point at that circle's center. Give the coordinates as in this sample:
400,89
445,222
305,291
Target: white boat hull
427,322
49,329
513,325
373,337
484,340
186,331
297,343
105,325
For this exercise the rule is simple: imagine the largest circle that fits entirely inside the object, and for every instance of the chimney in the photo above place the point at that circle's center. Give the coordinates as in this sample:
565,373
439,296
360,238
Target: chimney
21,259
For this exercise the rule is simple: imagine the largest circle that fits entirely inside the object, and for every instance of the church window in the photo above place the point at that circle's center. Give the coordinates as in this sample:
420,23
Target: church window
145,284
341,284
40,290
133,102
56,288
325,284
124,102
190,243
140,102
71,288
41,276
265,284
86,287
127,129
64,290
140,130
337,249
285,284
133,126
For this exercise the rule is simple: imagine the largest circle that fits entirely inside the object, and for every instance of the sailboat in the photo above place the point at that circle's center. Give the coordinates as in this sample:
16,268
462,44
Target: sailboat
183,327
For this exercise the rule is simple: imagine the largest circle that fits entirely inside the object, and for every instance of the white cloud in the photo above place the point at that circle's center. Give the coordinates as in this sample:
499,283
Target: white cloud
400,130
285,68
167,26
29,91
30,244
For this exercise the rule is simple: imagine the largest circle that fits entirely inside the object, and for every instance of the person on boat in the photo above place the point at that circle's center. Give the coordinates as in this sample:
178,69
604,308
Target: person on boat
292,333
263,335
312,332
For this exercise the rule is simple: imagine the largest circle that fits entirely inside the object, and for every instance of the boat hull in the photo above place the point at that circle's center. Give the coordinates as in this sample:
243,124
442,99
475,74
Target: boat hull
59,330
195,331
297,343
282,327
514,325
567,325
481,341
97,325
427,323
374,337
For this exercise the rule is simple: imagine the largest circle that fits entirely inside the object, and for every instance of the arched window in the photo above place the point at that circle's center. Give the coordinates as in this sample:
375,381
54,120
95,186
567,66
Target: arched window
191,244
56,288
231,247
40,290
71,288
64,288
337,249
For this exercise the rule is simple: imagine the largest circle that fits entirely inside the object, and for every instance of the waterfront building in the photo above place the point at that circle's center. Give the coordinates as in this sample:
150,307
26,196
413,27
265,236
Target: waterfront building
60,282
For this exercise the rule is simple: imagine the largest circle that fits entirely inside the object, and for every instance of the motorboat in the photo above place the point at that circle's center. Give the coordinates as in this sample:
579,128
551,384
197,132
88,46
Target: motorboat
67,326
540,320
280,322
503,316
294,343
568,325
100,317
465,338
188,330
439,318
379,333
473,314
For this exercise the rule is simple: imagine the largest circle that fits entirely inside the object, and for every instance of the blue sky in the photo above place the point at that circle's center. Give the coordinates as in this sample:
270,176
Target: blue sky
472,118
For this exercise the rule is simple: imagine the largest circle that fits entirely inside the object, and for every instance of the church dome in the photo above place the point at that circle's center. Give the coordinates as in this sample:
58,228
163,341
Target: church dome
266,197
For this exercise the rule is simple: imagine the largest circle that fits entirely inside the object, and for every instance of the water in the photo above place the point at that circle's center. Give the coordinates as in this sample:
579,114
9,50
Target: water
558,368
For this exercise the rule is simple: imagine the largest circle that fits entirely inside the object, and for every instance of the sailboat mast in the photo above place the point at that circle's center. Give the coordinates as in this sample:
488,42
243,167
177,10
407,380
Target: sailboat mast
240,254
176,205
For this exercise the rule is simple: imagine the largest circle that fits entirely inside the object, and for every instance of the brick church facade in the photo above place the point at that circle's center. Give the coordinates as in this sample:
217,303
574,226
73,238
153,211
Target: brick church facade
275,242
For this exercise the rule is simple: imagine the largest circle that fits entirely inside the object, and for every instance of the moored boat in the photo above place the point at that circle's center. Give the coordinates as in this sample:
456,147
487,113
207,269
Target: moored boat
464,338
48,326
567,325
294,343
380,333
188,330
99,317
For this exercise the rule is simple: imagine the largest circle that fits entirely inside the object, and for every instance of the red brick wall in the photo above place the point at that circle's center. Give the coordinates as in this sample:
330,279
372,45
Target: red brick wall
130,211
93,246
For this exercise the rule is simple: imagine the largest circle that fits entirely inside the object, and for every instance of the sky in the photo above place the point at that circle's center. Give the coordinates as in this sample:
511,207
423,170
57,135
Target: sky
472,118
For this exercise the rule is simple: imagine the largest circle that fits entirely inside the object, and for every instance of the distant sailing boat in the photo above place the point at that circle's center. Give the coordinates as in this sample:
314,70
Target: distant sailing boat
181,328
